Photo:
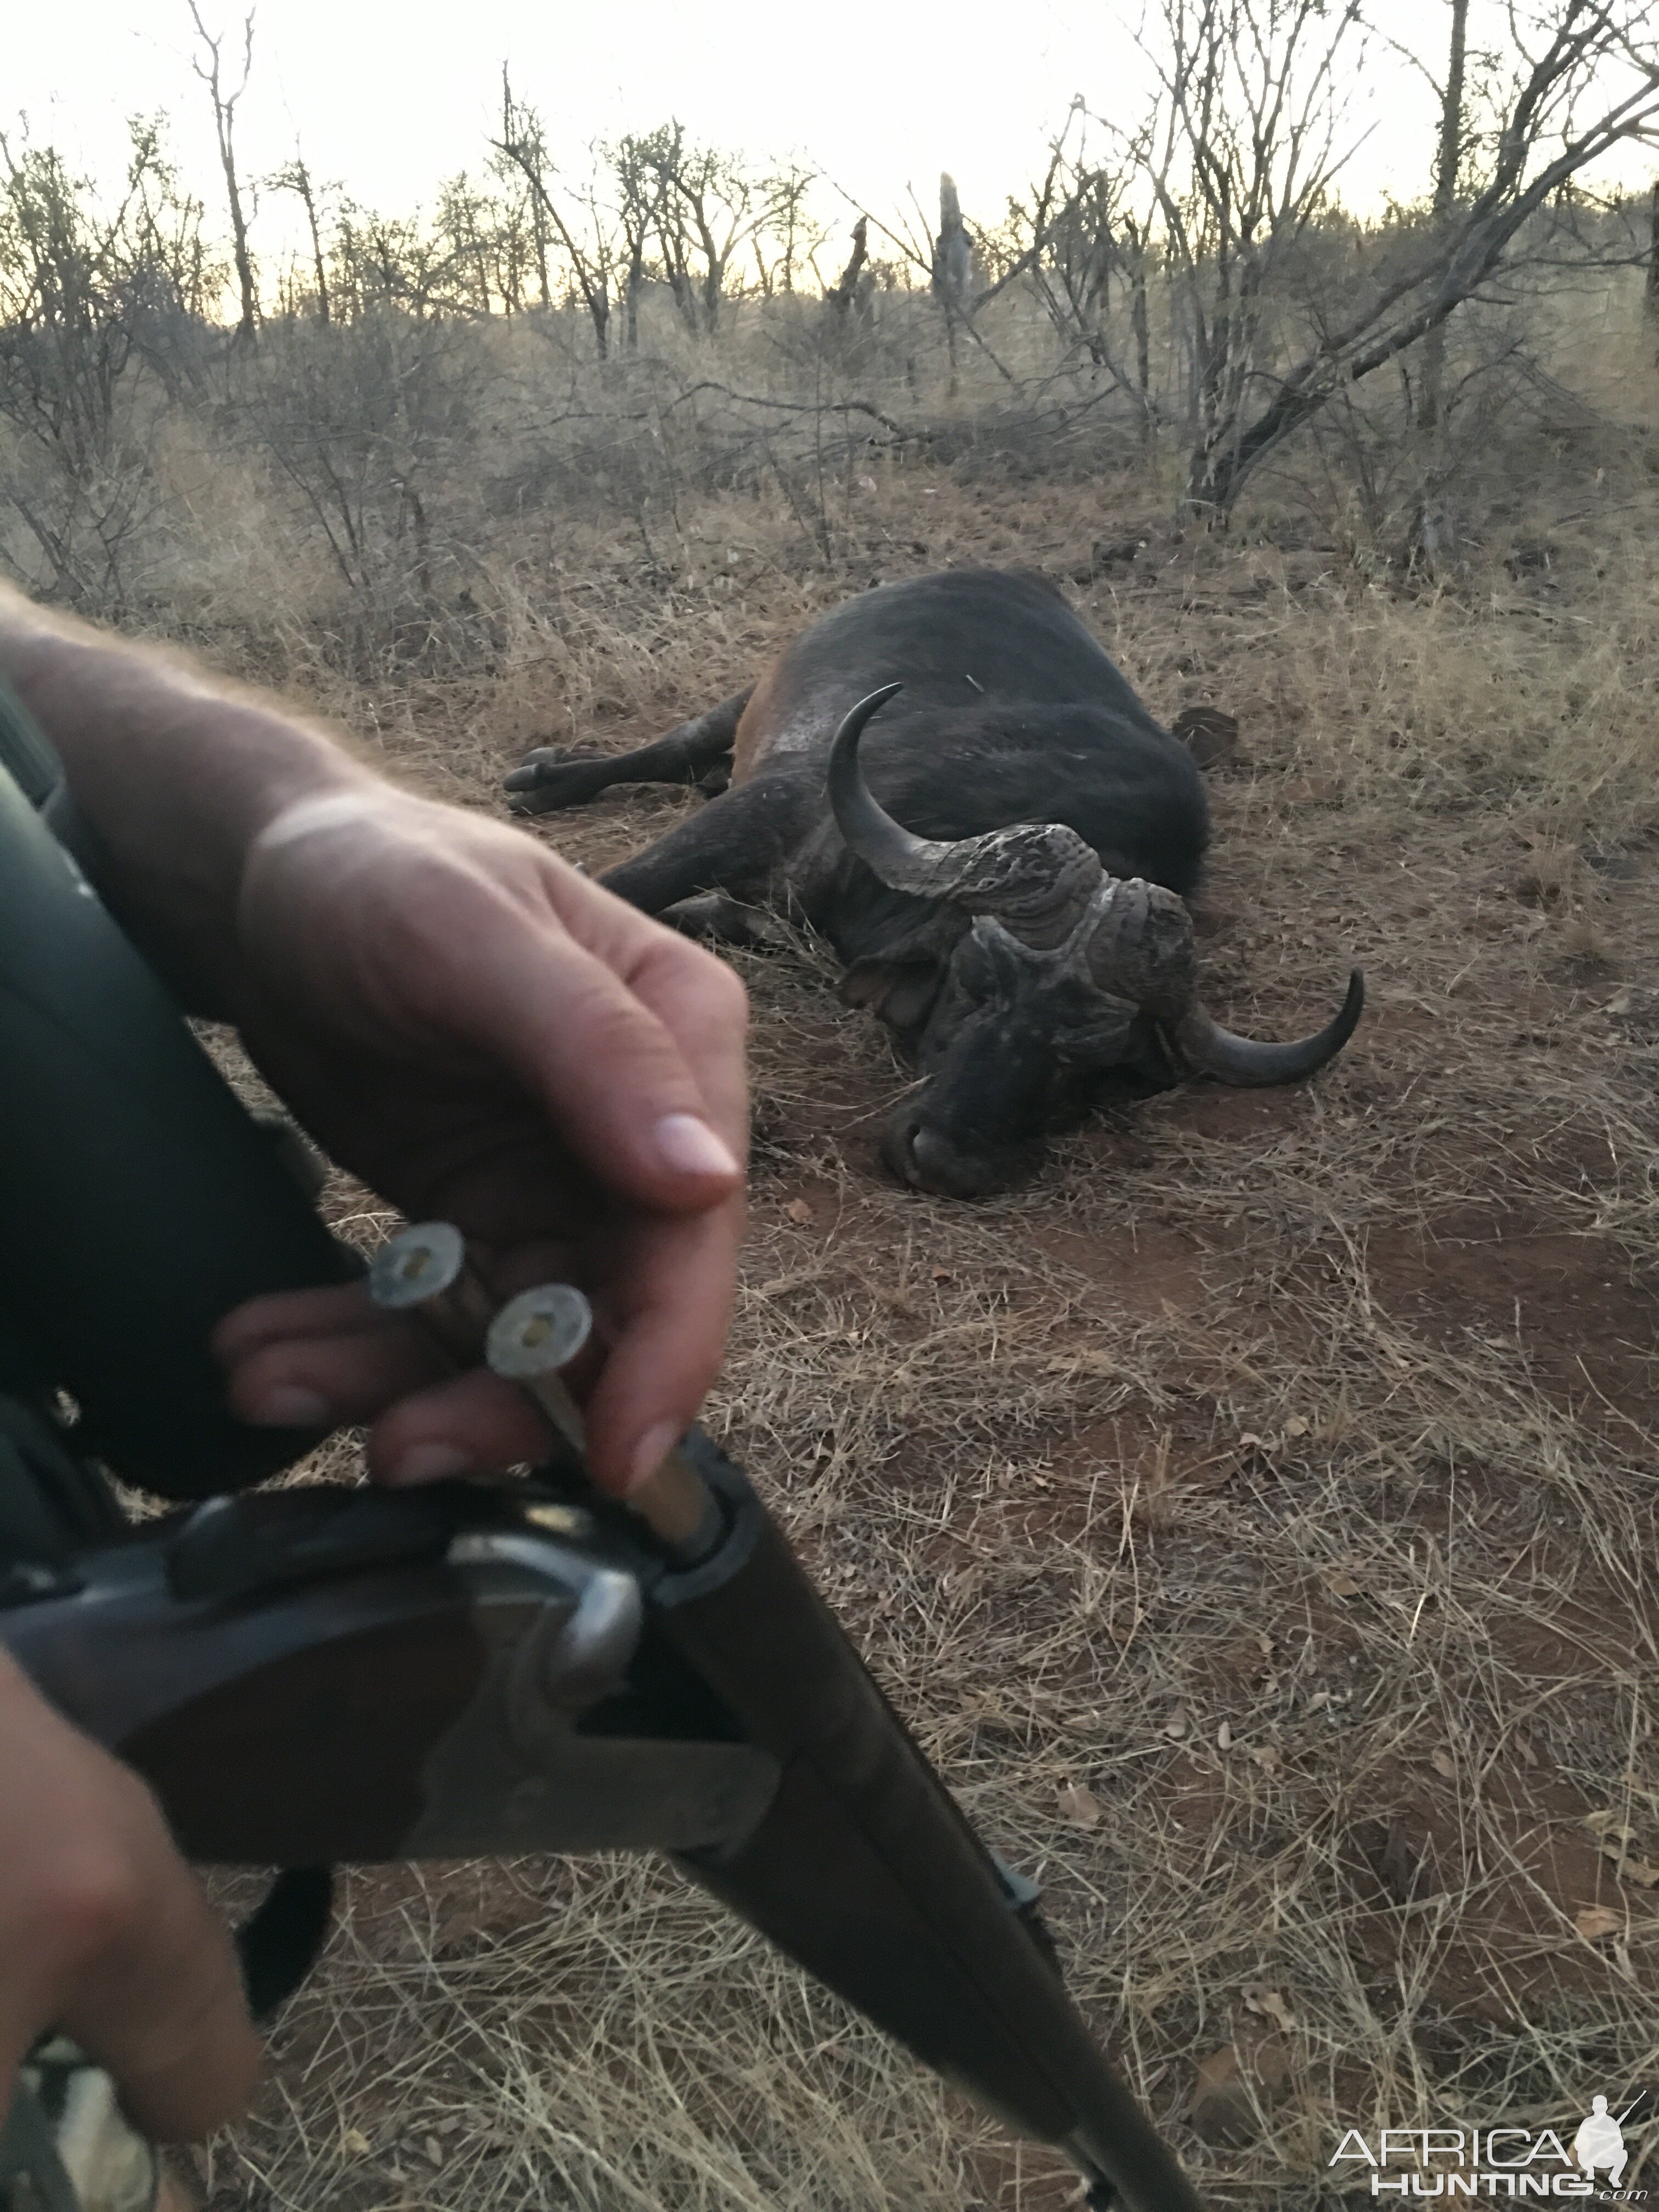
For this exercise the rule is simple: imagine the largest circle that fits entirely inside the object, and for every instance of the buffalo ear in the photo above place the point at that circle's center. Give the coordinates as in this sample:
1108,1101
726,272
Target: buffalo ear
899,992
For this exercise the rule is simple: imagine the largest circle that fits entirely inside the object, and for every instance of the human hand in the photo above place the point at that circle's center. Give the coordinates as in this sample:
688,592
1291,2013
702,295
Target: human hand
486,1036
105,1933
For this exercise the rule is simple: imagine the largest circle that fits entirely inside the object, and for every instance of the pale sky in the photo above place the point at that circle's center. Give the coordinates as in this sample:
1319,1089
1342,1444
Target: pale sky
878,94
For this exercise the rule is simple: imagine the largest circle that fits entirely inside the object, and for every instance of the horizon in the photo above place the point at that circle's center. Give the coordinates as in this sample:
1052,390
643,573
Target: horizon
877,111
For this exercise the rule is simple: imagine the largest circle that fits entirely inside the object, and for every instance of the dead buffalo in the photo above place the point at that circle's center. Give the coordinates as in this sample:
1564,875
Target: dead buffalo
1000,864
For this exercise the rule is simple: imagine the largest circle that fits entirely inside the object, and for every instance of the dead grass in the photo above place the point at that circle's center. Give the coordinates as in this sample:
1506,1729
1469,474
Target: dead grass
1253,1515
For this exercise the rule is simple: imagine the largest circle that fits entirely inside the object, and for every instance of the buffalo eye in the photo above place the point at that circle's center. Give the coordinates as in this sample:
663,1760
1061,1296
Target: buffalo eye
1102,1044
973,969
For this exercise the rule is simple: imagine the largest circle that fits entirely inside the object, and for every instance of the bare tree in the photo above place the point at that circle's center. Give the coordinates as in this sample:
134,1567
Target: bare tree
523,144
1077,229
953,257
295,177
840,297
1244,146
1239,151
705,207
467,222
1447,160
639,188
224,124
788,223
953,266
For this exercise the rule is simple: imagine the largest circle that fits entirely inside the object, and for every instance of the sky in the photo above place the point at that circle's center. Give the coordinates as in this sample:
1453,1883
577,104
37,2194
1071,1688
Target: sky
878,95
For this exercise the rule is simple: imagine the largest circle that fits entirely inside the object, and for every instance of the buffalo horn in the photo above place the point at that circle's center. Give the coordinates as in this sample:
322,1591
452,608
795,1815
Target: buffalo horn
1036,877
1208,1049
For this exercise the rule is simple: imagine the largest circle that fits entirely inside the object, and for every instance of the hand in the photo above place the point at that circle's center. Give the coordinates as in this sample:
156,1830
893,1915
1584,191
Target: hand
487,1038
105,1933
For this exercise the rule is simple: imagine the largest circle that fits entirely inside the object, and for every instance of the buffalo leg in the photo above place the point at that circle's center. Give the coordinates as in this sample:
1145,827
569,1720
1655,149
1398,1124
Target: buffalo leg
694,753
733,845
719,919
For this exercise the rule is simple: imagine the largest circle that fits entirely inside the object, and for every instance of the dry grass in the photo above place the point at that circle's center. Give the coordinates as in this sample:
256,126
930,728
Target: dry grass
1253,1515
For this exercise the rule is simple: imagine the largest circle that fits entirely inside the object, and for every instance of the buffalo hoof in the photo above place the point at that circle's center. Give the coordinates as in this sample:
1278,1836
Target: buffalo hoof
548,780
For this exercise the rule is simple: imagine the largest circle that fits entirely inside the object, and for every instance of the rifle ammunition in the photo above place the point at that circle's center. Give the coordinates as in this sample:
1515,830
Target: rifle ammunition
425,1271
531,1339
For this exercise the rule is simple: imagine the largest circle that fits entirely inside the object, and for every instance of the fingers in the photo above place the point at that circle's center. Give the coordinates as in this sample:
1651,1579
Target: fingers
677,1291
604,1067
473,1424
104,1932
328,1359
320,1359
340,1308
704,1008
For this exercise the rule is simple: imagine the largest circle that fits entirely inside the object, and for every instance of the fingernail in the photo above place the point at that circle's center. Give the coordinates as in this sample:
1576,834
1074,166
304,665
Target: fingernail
651,1451
290,1405
690,1147
429,1463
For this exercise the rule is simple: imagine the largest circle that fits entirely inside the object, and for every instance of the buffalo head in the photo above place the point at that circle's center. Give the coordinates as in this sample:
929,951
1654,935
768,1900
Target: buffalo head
1067,980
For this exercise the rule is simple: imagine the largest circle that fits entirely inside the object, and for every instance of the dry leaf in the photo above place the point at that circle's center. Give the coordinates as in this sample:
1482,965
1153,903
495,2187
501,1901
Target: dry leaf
433,2149
1528,1756
1341,1584
1249,1658
799,1210
1443,1764
1121,1626
1270,2002
1175,1726
941,1275
1223,1738
1222,2105
1595,1921
1266,1758
1628,1869
1081,1808
1250,1441
1295,1426
354,2143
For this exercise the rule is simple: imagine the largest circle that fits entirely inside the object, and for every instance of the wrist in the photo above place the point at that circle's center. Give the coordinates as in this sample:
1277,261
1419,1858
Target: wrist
176,772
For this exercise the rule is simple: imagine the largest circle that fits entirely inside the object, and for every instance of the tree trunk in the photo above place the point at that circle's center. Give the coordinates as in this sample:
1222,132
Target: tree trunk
247,323
317,261
1139,323
840,297
1445,196
1650,295
224,124
539,219
951,266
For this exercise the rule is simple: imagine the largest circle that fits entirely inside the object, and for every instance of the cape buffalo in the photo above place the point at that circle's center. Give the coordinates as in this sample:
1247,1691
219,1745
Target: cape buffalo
1023,933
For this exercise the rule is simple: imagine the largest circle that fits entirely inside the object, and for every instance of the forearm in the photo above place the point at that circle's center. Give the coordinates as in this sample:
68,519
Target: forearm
176,771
